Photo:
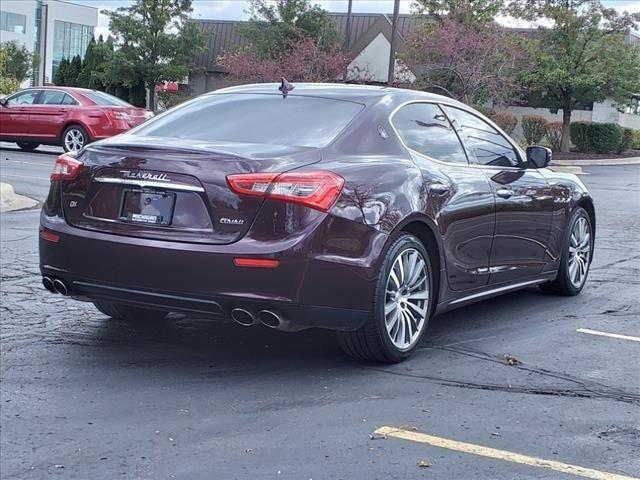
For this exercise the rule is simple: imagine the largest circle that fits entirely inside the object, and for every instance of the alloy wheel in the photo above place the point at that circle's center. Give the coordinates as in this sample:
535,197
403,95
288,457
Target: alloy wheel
406,299
579,252
74,139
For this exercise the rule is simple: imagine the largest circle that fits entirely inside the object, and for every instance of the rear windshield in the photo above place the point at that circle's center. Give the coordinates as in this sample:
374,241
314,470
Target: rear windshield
255,118
105,99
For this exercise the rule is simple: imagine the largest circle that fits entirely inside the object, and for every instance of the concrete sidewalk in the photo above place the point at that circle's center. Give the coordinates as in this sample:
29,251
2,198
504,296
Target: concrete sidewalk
597,162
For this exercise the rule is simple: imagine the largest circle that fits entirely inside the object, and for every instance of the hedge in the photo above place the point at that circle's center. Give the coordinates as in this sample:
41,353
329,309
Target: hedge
554,135
627,140
505,120
636,140
596,137
534,128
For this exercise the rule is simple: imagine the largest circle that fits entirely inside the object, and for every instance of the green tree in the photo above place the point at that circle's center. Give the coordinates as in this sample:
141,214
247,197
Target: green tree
275,25
584,57
88,66
59,77
156,41
72,72
7,84
101,56
18,62
467,12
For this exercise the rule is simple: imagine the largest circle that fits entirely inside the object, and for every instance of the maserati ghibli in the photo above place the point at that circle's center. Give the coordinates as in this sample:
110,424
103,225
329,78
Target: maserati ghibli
365,210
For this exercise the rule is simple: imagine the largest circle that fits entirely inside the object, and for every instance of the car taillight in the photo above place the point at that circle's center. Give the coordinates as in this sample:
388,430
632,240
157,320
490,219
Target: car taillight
319,189
66,168
119,115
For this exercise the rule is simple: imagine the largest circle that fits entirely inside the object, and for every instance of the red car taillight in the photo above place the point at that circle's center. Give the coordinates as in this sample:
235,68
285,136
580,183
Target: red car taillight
317,190
119,115
66,168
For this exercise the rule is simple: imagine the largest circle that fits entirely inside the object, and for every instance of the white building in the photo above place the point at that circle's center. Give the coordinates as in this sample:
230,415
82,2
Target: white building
52,28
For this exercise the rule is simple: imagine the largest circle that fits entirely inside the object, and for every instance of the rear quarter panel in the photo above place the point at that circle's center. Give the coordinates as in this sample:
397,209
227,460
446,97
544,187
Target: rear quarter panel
568,193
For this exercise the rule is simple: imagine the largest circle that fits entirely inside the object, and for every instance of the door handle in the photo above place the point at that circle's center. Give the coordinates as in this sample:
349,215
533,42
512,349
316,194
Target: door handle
439,188
504,193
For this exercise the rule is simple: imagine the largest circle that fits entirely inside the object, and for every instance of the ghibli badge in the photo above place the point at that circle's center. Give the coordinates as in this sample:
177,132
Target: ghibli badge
231,221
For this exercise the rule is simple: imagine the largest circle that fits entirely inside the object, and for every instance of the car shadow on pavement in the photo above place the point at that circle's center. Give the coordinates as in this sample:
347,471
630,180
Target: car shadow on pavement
49,151
198,341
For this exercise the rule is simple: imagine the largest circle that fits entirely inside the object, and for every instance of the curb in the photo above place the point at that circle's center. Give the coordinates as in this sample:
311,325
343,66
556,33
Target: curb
567,169
603,162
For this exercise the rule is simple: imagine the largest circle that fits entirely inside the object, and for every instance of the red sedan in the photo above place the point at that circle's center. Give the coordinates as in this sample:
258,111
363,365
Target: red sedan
70,117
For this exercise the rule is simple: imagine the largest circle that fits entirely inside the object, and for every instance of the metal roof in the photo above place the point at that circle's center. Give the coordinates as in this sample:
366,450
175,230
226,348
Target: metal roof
222,35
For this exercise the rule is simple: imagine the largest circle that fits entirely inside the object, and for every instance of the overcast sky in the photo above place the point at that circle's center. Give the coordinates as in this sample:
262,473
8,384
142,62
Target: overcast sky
236,9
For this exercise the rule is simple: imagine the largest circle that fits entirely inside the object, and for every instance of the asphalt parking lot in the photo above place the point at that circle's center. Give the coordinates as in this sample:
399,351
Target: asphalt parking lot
86,397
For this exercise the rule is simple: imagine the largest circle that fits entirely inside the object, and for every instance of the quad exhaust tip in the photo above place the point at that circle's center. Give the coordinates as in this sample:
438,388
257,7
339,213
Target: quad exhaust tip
60,287
276,321
243,317
269,319
47,282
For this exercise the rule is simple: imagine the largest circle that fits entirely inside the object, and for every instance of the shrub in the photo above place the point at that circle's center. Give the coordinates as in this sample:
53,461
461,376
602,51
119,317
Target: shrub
505,120
627,140
596,137
554,135
605,137
534,128
636,140
580,136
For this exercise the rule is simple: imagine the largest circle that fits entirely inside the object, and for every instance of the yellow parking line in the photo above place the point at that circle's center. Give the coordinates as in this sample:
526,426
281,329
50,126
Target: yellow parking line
498,454
605,334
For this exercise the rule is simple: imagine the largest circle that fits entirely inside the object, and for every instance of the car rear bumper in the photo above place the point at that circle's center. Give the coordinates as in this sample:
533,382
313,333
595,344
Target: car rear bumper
311,287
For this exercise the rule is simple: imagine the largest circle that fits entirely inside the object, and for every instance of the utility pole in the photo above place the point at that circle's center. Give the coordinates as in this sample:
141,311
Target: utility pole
348,29
392,53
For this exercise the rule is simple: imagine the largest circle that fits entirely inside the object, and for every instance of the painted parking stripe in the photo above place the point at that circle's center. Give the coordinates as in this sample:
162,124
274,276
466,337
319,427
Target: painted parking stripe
605,334
498,454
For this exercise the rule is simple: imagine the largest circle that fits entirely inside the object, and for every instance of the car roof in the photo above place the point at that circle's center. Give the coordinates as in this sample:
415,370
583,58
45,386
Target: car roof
341,91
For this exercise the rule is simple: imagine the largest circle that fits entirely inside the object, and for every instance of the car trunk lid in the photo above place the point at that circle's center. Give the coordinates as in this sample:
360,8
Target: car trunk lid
172,189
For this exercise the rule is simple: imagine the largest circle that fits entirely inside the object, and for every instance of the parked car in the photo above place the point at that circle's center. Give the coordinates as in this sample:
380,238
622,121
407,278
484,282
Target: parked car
364,210
65,116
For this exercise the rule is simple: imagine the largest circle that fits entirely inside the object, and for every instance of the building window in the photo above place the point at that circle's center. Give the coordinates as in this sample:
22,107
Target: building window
13,22
69,40
633,107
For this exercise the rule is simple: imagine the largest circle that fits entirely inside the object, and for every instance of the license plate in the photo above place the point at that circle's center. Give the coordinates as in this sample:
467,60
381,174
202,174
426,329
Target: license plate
150,207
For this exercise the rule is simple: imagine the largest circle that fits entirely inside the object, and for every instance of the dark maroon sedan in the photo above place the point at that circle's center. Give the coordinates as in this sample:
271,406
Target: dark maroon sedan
364,210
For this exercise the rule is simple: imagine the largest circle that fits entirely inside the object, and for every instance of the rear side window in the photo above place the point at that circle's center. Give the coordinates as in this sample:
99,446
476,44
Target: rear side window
55,97
424,128
104,99
256,118
485,144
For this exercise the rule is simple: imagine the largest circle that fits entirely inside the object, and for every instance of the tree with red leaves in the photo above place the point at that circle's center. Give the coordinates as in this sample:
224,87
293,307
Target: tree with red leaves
302,61
472,63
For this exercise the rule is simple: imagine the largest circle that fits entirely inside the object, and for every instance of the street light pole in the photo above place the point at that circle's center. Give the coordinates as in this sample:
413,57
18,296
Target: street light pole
348,27
392,53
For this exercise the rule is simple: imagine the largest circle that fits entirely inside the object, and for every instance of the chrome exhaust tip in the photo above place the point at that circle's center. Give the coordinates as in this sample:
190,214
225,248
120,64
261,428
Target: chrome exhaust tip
243,317
269,319
60,287
274,320
48,284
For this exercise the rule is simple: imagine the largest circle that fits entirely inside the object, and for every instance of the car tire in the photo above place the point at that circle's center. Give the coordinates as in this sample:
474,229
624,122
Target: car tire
375,341
129,313
565,282
74,138
28,146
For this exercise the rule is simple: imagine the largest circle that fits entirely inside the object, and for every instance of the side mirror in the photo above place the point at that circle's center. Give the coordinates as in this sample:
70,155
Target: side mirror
538,157
3,101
